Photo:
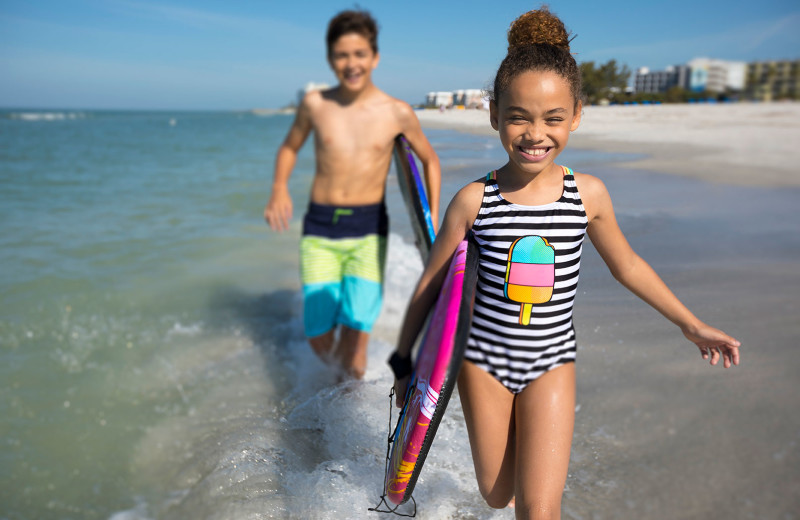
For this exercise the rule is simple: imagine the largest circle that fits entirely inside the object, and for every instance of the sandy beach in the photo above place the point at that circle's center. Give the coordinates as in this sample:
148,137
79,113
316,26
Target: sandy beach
714,142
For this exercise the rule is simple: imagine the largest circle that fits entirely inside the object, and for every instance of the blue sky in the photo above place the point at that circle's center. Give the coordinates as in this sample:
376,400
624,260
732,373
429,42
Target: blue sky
208,54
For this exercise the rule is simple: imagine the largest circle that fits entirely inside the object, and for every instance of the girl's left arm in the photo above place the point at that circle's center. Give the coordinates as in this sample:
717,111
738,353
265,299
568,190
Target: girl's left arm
638,277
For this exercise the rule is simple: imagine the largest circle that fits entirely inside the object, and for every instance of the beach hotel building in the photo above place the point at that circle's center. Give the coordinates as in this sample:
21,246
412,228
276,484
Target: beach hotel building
700,74
439,99
661,80
763,81
773,80
464,98
717,75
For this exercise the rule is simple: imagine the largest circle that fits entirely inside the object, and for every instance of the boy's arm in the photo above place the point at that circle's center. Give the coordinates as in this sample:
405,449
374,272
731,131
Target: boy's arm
278,210
430,161
638,277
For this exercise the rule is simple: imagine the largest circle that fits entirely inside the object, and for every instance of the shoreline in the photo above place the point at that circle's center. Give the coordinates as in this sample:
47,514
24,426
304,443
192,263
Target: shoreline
719,143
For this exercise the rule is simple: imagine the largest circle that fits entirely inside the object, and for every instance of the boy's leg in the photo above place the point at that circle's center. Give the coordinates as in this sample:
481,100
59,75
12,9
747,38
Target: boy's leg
321,274
323,345
351,351
545,416
489,414
362,297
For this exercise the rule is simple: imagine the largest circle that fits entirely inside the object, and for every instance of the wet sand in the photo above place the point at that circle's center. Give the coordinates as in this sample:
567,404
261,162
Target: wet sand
660,434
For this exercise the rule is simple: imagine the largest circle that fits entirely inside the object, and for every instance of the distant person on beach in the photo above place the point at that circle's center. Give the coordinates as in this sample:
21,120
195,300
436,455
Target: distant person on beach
517,383
343,248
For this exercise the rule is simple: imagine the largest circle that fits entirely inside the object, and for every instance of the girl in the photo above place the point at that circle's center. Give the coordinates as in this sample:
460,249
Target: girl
517,383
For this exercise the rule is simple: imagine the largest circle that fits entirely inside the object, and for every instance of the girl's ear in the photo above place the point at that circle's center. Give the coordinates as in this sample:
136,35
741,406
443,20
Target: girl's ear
576,119
493,115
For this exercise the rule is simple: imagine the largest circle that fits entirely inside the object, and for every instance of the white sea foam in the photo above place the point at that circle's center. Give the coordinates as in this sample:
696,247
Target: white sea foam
274,435
46,116
179,329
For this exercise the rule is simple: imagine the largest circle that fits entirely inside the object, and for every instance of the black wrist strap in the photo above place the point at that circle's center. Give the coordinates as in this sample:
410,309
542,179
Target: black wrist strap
401,366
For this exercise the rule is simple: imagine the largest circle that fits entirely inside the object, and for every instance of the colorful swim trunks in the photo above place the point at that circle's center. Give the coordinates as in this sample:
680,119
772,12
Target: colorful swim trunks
343,254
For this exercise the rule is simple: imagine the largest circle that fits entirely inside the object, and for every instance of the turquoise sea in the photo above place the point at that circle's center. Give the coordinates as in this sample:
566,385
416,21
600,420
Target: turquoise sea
152,361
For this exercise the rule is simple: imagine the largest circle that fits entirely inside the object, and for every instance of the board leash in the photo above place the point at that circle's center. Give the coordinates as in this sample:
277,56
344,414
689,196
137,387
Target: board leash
389,441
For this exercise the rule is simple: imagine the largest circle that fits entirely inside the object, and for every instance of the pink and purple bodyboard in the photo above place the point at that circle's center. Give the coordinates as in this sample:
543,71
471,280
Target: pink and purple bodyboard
435,373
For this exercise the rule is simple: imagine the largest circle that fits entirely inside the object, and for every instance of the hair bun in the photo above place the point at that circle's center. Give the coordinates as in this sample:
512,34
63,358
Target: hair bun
538,27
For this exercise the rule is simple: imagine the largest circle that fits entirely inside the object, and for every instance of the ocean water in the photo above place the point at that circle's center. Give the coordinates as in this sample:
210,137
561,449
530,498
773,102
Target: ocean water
152,361
153,365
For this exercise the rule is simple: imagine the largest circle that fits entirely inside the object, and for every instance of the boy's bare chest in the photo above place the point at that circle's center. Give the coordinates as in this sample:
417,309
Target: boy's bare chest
357,133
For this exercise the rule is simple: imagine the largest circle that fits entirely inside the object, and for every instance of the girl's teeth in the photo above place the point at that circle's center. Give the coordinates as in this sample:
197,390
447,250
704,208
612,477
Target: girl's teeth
534,151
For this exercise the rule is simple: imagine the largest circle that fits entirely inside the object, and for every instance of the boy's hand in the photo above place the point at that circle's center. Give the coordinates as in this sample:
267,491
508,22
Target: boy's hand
714,343
278,210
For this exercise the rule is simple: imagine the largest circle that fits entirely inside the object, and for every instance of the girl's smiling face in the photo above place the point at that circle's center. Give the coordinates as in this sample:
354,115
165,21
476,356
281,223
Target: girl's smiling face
534,117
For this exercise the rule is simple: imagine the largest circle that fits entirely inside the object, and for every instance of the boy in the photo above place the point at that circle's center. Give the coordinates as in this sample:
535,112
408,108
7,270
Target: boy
343,248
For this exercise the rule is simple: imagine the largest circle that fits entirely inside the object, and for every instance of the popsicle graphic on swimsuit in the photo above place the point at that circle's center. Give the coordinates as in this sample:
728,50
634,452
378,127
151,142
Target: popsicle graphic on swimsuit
530,274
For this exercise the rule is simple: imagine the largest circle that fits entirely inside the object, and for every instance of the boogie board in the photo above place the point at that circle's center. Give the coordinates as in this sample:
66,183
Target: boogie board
435,372
412,186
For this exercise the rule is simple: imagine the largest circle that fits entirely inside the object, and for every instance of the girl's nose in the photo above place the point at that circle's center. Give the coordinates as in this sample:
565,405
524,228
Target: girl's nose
535,132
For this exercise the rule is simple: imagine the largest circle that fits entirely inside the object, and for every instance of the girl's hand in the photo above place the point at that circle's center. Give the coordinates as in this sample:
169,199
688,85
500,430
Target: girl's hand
714,343
400,388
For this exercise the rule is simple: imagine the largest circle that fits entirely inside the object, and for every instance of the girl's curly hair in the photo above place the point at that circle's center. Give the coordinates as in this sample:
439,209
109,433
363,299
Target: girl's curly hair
538,41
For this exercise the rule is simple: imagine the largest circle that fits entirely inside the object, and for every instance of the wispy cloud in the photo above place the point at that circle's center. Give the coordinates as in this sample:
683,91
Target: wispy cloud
741,42
789,25
205,19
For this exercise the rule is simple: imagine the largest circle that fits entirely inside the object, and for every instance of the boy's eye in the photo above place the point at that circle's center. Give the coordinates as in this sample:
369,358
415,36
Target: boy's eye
555,120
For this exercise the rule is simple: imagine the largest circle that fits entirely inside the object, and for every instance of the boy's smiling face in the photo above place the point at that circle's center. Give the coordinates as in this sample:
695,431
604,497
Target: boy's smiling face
534,118
352,60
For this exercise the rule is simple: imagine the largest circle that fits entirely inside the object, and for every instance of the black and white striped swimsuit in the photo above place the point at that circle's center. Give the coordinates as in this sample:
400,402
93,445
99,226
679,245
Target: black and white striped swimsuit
527,273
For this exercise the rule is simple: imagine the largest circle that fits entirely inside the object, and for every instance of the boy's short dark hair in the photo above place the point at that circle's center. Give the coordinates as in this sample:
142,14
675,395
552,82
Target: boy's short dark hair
359,22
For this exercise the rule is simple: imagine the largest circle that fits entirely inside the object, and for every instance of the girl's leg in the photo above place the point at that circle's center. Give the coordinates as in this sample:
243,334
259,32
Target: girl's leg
545,416
489,413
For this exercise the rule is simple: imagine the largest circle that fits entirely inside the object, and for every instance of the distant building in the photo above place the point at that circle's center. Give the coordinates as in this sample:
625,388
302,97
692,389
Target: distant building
310,86
716,75
439,99
463,98
773,80
662,80
468,98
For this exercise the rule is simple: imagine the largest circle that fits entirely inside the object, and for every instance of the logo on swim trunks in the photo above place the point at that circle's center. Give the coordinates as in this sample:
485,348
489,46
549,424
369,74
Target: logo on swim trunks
530,274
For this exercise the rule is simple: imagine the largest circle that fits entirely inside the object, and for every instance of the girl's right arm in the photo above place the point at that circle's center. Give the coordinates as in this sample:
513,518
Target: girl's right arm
278,210
457,222
638,277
